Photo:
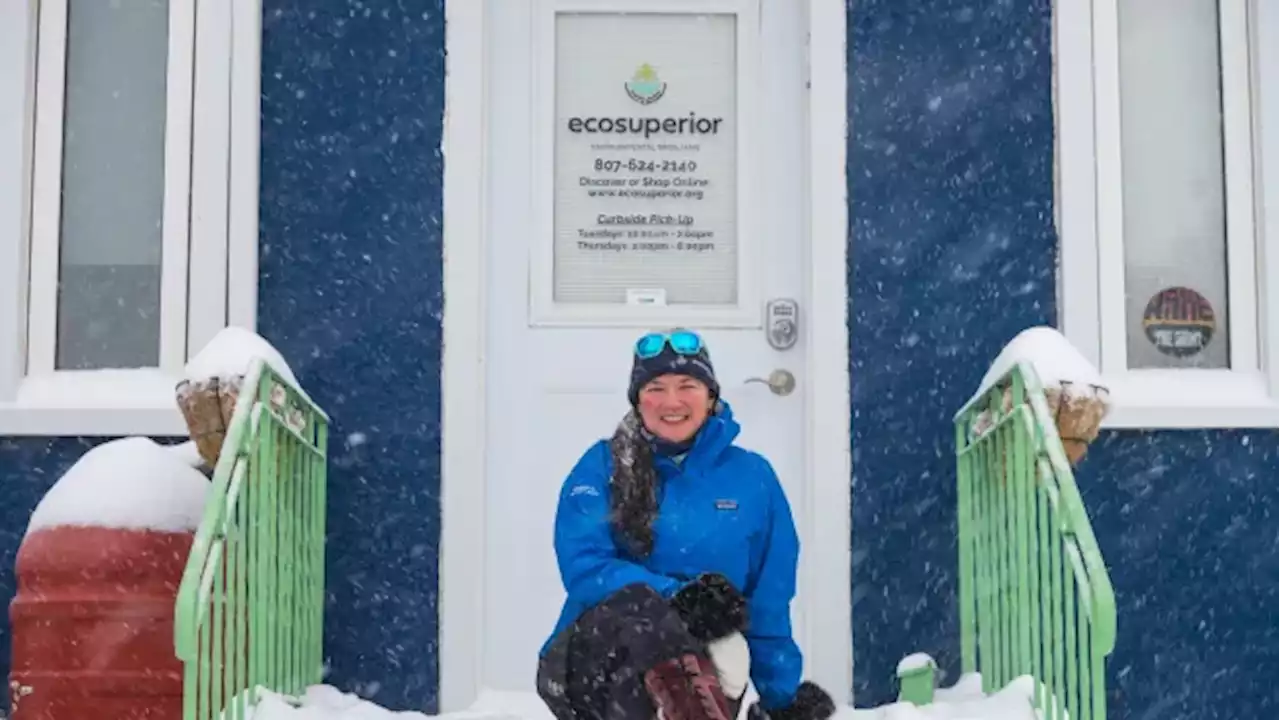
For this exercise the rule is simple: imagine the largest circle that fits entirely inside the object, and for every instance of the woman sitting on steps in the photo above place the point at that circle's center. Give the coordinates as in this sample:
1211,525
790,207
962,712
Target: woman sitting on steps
674,546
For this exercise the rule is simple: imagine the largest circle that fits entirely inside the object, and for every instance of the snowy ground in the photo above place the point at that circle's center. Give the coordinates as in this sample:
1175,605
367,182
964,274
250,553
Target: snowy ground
964,701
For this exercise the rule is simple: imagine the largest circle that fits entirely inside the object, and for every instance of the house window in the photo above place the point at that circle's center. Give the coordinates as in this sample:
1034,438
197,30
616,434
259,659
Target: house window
99,227
1173,185
1168,248
139,240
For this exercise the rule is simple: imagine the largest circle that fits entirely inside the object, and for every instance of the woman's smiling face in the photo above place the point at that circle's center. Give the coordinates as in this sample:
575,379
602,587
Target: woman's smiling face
674,407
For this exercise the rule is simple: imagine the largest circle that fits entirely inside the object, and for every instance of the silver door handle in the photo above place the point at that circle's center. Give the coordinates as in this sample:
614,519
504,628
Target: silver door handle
780,382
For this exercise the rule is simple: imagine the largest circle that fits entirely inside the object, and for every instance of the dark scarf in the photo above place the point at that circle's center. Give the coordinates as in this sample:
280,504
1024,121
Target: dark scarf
635,486
668,449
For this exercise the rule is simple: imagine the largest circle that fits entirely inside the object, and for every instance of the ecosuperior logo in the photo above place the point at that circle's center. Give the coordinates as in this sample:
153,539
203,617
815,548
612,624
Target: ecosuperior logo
646,88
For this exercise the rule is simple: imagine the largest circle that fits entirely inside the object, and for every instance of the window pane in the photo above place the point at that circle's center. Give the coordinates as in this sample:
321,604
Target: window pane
112,184
1175,238
646,159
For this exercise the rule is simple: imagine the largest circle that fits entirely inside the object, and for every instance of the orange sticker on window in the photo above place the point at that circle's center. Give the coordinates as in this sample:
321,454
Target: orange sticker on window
1179,321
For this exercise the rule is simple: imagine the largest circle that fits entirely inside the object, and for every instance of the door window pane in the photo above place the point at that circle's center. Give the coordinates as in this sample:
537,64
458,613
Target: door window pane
112,184
1175,237
646,164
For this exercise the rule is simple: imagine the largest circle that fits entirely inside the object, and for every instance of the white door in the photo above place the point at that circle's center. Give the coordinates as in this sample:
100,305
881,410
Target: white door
644,170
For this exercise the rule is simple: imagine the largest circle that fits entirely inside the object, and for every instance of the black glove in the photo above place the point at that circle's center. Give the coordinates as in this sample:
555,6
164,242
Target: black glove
711,607
811,703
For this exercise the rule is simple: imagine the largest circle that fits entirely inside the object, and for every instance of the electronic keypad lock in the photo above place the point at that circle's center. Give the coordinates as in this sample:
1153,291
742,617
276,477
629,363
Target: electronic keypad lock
782,323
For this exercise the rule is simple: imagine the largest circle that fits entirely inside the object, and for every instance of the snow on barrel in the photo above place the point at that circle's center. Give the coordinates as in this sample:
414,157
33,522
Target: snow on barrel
98,573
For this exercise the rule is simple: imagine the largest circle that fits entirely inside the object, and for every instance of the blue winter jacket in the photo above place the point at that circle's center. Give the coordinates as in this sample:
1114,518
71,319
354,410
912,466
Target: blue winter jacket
722,510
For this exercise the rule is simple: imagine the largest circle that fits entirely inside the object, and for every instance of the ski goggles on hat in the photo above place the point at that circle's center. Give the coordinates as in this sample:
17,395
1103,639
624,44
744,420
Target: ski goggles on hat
682,342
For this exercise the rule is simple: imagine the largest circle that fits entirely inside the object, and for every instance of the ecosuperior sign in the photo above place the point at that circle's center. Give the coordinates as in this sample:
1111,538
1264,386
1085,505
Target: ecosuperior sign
645,171
646,126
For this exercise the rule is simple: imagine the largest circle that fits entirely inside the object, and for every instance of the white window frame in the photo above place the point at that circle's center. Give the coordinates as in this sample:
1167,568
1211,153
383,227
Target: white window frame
210,210
1091,222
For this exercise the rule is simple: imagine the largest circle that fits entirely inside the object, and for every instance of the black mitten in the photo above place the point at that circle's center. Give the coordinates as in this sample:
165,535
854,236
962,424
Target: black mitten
811,703
711,607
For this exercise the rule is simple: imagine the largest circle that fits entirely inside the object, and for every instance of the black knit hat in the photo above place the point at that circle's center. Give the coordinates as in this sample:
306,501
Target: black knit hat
669,362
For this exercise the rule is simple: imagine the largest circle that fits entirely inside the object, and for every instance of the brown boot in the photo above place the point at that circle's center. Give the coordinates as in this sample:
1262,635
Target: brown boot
687,688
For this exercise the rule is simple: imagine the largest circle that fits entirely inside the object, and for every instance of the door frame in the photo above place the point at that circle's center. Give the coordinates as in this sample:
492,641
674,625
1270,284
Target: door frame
825,567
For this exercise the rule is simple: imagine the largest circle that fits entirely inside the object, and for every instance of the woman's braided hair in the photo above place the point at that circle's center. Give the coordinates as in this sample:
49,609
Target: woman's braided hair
633,489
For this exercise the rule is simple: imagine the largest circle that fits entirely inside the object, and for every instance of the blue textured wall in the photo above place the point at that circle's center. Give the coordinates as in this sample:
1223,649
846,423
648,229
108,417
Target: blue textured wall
950,179
352,102
1187,524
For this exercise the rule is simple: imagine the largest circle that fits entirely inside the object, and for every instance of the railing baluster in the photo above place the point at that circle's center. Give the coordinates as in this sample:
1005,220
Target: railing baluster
999,488
1023,491
1071,702
986,629
965,531
1046,603
1084,711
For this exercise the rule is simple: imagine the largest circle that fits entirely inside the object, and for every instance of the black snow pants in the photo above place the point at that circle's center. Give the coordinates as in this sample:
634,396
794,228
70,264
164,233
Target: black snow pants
595,669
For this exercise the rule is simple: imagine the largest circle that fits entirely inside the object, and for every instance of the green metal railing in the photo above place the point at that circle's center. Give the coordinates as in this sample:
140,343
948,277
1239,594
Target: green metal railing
1035,597
249,612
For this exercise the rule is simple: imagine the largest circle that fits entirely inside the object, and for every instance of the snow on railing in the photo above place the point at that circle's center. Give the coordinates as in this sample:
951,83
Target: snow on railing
1035,596
250,609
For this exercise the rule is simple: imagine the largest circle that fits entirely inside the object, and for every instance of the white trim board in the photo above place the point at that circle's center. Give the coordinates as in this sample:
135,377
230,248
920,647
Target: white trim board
460,596
17,125
825,573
